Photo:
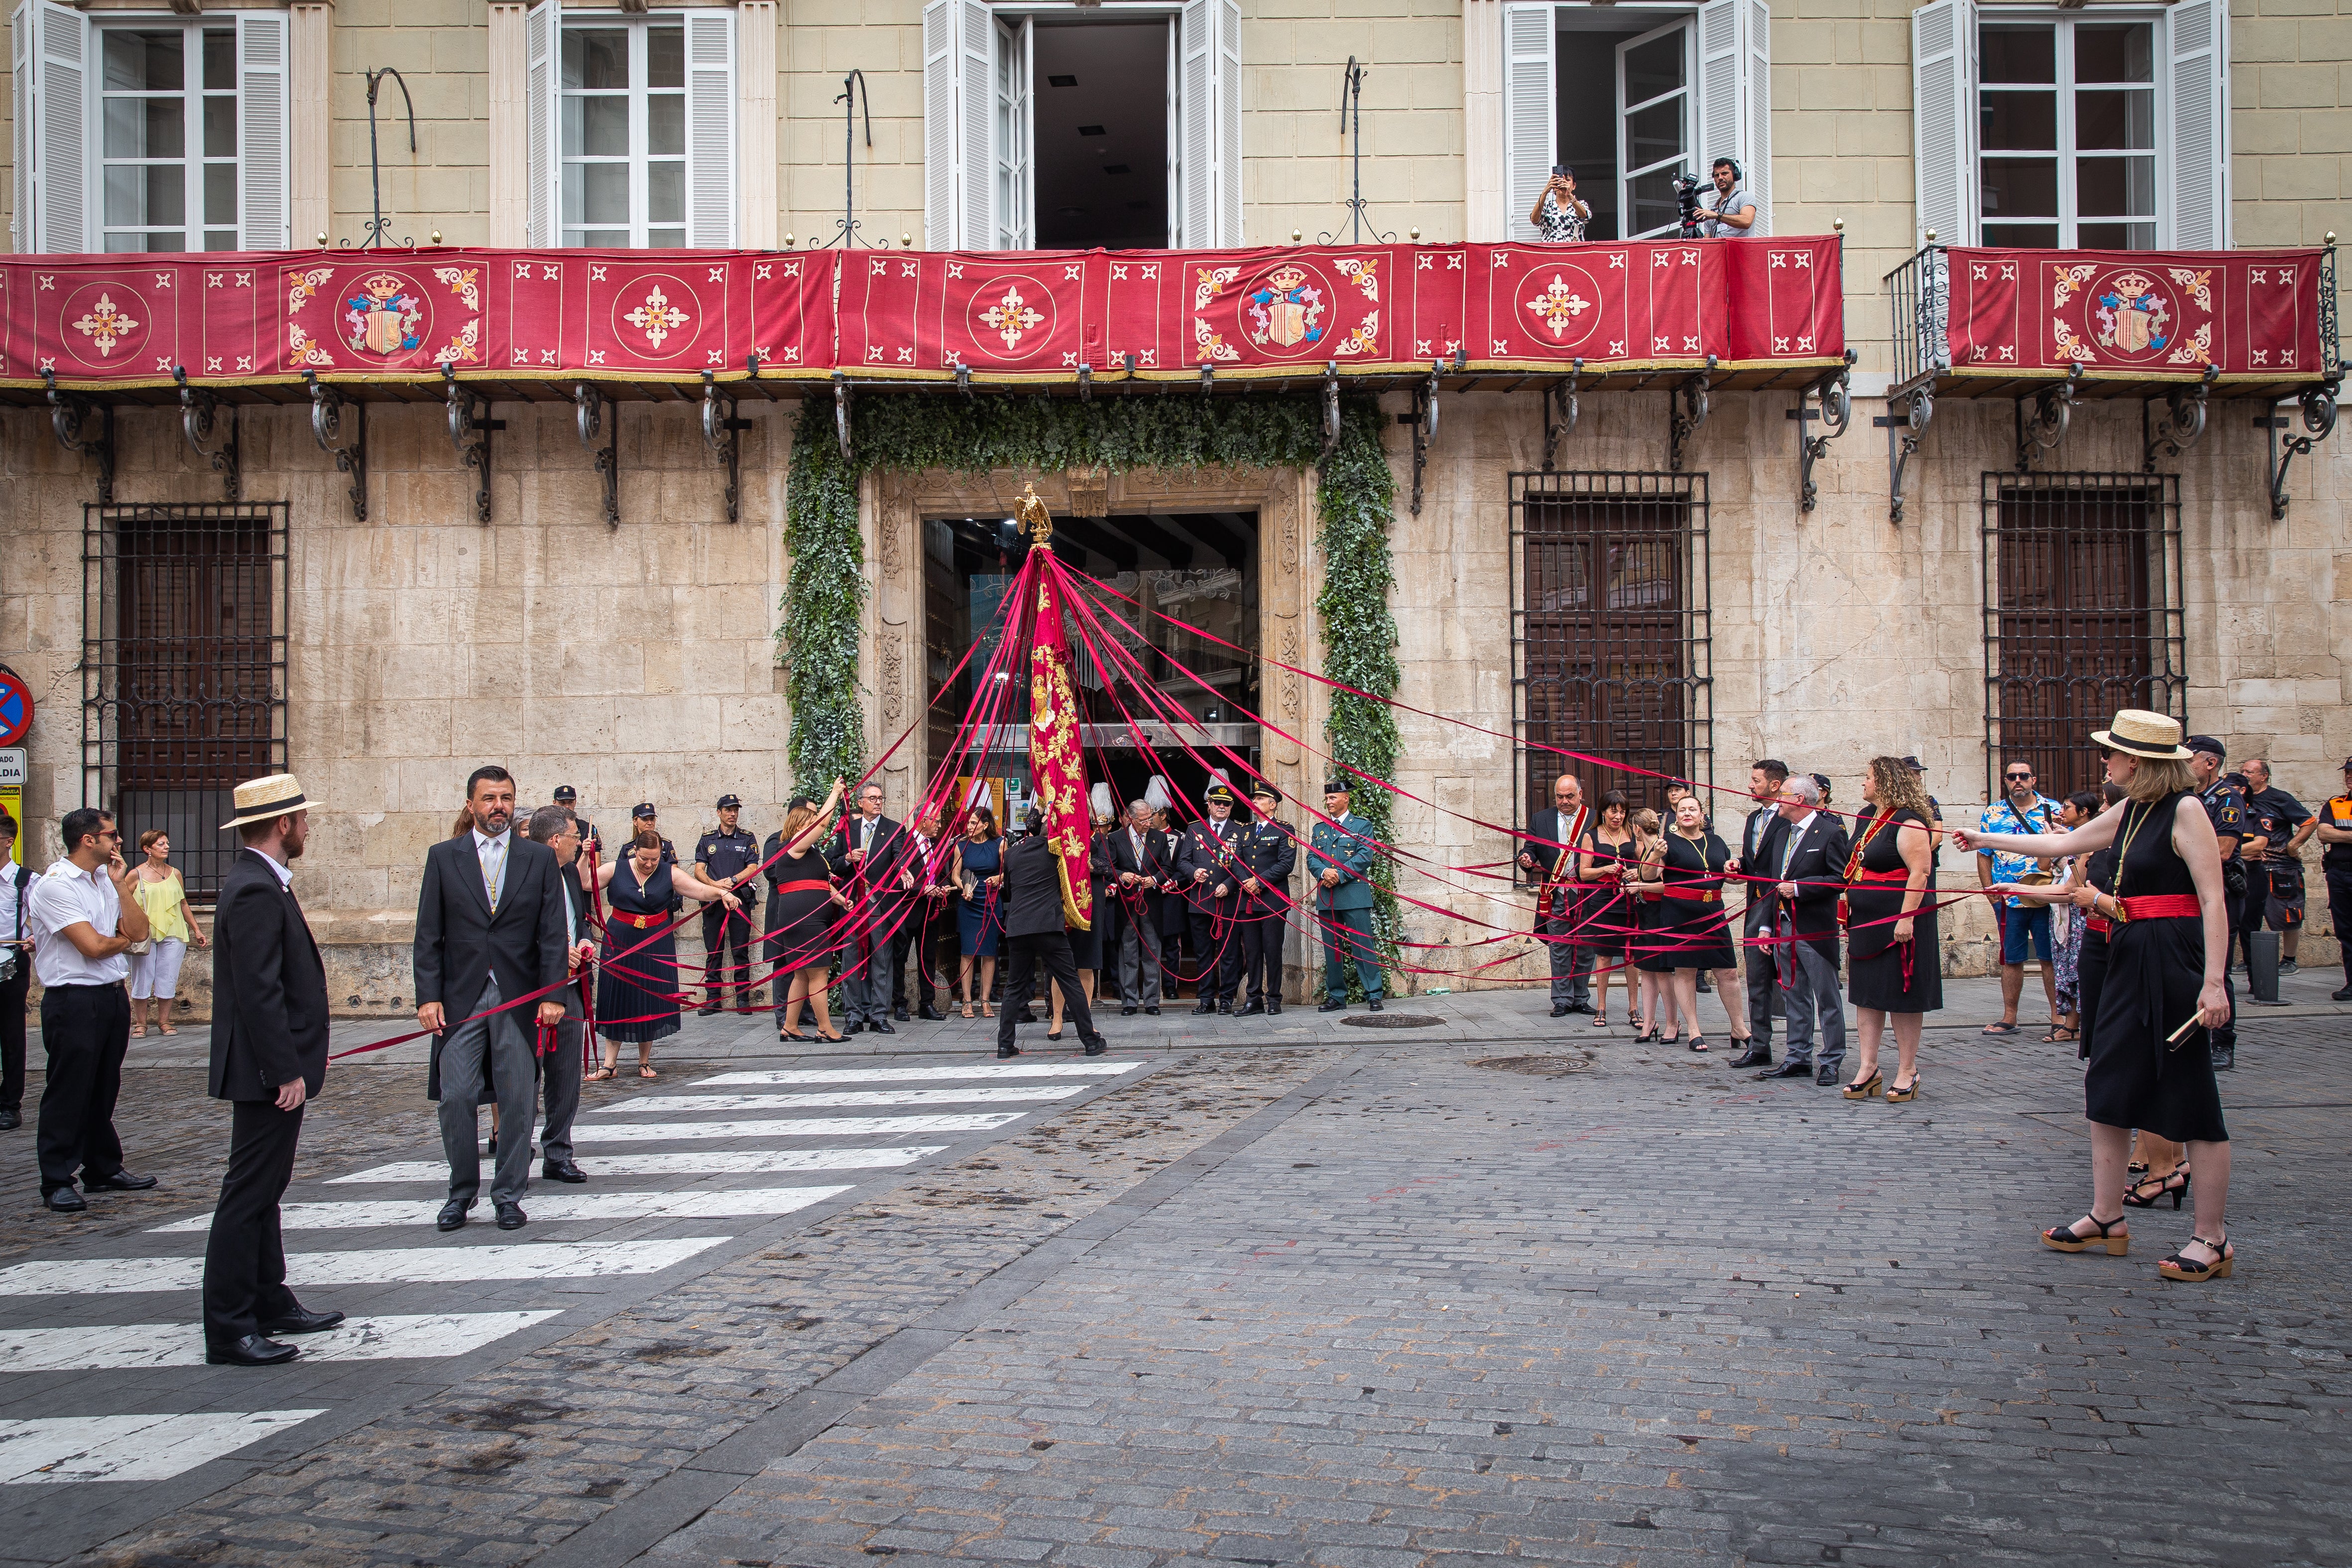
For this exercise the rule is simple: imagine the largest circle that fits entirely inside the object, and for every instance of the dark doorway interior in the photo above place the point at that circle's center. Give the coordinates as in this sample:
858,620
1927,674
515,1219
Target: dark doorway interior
1100,102
1586,83
1200,568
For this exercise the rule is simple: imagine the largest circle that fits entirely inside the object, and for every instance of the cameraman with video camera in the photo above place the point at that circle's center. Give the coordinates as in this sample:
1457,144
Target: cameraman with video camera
1734,212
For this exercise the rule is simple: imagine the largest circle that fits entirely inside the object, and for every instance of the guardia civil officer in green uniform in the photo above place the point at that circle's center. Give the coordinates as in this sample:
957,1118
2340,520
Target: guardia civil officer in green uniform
727,858
1339,859
1267,854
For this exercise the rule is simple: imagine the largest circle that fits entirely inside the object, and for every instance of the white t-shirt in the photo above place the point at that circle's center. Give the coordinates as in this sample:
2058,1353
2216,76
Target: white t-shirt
60,897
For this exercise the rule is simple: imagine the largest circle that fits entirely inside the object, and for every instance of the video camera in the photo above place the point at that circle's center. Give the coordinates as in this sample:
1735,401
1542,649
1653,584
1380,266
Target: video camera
1686,188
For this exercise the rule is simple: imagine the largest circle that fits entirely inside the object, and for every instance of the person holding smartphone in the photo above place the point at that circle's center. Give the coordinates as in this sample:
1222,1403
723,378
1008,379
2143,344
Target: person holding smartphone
1559,216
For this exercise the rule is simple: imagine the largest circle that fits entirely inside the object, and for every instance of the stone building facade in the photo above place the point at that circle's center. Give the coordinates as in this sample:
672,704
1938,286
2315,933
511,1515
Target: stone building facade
639,661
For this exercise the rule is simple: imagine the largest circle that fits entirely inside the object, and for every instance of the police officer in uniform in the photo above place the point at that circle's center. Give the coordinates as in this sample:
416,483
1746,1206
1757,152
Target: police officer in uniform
569,799
1339,860
1207,867
2226,811
1267,854
2336,864
728,857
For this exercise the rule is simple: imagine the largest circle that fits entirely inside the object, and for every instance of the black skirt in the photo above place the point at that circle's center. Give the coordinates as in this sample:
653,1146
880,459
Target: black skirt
2155,969
1648,948
1875,980
1692,935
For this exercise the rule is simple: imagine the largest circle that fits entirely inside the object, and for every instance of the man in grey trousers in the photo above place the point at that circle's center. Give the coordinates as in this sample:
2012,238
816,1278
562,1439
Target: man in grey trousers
1811,855
559,828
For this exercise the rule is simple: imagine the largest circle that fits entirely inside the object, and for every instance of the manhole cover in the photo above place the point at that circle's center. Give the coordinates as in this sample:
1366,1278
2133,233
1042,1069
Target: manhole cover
1391,1020
1539,1066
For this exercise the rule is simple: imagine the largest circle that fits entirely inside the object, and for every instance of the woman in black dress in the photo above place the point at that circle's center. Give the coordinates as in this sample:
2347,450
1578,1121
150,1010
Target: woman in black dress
1691,929
802,905
1604,861
1894,964
2150,1061
634,981
1652,957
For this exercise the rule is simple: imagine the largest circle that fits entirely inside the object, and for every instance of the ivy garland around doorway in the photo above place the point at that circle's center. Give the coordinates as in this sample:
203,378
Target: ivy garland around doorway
826,590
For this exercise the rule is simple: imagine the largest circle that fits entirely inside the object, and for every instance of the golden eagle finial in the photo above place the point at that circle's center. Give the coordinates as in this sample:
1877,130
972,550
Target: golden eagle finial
1030,512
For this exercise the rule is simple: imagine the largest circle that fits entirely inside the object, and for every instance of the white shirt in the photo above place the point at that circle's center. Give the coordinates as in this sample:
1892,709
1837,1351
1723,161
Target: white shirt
59,897
1796,831
285,873
8,911
493,854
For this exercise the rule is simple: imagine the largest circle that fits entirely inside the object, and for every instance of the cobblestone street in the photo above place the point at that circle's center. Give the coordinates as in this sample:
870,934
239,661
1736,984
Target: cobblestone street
1488,1288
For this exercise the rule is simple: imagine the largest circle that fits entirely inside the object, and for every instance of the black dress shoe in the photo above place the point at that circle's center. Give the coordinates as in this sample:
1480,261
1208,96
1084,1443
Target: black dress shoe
1028,1017
64,1200
899,1013
251,1351
11,1119
1127,1012
1374,1004
1583,1007
1560,1009
1004,1051
1097,1048
1330,1006
510,1216
2224,1057
706,1009
302,1320
453,1214
562,1171
1274,1009
1205,1009
932,1016
1827,1077
1252,1011
121,1181
1225,1006
882,1028
1151,1012
2342,995
1755,1056
1789,1069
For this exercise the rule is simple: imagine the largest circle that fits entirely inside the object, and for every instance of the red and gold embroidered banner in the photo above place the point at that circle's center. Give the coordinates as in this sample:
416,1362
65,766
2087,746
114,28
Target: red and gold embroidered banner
2135,312
1056,765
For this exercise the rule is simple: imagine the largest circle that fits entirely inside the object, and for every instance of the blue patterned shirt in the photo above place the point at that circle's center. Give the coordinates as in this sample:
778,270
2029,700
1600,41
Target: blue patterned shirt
2002,816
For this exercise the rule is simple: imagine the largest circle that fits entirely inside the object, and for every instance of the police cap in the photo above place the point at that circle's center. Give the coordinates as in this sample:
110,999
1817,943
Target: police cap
1267,792
565,794
642,810
1338,786
730,803
1219,794
2208,743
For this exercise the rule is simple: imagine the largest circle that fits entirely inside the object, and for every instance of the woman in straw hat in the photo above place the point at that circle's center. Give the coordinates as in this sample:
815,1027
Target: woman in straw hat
2150,1065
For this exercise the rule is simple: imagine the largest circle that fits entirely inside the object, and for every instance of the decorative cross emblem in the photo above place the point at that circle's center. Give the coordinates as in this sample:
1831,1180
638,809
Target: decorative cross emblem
1010,318
1559,305
105,325
657,318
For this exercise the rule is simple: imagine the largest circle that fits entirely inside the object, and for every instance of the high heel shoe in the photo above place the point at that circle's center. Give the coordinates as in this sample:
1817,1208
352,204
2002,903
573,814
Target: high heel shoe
1864,1087
2189,1272
2065,1238
1902,1093
2149,1191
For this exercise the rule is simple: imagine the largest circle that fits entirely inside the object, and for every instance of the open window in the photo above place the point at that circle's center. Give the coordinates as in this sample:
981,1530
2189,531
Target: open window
1065,129
1629,96
2103,130
632,135
157,132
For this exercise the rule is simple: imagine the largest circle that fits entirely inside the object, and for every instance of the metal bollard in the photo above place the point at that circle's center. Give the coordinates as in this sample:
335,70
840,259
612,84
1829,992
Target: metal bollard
2261,967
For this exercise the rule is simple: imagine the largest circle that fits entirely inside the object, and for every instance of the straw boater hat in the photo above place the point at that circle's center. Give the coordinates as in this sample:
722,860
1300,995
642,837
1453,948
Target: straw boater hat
2143,734
266,799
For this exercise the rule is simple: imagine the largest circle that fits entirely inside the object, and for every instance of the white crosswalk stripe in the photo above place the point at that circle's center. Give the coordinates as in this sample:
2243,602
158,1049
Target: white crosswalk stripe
588,1138
130,1448
984,1096
691,1163
119,1346
547,1207
382,1266
914,1075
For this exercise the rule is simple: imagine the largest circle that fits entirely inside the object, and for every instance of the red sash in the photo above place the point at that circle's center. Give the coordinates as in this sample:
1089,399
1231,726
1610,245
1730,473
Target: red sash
2162,907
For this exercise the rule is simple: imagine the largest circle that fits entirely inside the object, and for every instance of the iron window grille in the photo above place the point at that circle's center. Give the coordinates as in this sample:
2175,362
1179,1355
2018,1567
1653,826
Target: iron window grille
2082,616
184,671
1610,631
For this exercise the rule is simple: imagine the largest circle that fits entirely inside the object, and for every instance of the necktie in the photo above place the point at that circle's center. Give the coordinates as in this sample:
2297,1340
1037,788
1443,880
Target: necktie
1790,854
494,865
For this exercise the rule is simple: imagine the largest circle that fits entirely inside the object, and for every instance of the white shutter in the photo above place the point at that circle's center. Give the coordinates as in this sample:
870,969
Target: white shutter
261,167
541,47
2198,134
1756,90
1531,144
1016,220
938,125
975,123
1227,165
53,212
20,104
1943,119
1719,87
1196,174
710,129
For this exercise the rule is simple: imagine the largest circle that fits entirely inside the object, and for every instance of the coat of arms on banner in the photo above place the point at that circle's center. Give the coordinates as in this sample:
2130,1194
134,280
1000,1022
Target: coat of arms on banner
383,315
2132,316
1287,309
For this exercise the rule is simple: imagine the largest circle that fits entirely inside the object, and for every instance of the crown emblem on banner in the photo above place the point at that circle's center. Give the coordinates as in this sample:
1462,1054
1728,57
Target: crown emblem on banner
2132,285
1286,308
383,287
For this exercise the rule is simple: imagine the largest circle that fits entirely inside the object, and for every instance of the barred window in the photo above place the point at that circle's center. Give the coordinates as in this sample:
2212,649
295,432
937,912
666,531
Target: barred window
183,669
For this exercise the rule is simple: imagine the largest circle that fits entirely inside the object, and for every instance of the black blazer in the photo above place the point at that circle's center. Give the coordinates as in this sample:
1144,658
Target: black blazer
1032,895
1547,831
1201,848
1759,849
270,988
1269,851
460,944
1818,867
1155,864
878,873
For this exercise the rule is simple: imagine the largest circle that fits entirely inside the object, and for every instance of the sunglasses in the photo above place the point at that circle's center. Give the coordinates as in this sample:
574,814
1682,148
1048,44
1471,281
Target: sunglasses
2017,778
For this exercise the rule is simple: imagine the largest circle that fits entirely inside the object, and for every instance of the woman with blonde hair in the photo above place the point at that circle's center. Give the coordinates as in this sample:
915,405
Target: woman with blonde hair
1651,953
1690,873
801,907
1895,962
2163,993
155,973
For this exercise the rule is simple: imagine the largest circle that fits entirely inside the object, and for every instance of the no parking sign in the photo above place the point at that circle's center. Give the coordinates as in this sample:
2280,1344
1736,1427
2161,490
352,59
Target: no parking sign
15,707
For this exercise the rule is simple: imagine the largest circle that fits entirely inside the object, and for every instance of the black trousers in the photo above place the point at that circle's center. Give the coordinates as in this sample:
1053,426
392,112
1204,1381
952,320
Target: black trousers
725,933
1763,978
2339,915
1262,932
245,1258
1049,953
913,938
2247,918
1217,951
85,1032
13,992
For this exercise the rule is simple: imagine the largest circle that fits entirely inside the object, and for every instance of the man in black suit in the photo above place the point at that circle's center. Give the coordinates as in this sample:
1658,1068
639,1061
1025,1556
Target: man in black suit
1175,913
1268,853
1034,930
1139,864
1809,858
1551,839
1759,842
490,926
1206,865
268,1056
869,856
558,828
